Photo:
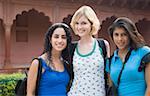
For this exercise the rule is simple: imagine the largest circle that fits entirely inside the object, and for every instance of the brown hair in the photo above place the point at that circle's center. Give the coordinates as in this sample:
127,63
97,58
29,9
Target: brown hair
136,39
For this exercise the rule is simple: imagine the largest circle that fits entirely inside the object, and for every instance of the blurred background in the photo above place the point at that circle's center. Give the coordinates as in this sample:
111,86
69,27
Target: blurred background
23,24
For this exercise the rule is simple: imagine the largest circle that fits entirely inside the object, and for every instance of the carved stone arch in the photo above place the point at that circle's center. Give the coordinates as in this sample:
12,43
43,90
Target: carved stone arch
25,16
143,27
103,32
28,33
2,45
67,20
36,10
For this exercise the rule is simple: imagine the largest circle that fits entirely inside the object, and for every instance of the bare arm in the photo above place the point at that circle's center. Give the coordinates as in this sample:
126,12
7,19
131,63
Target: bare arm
147,78
107,48
32,76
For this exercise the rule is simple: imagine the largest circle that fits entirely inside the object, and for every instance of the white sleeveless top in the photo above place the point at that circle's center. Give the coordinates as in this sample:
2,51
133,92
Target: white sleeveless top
88,73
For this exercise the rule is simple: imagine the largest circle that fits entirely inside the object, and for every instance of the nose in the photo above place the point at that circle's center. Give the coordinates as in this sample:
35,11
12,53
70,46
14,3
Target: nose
79,26
119,37
60,39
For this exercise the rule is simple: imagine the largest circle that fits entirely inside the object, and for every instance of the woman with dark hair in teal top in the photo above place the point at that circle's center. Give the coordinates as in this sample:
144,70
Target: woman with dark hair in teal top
54,60
133,82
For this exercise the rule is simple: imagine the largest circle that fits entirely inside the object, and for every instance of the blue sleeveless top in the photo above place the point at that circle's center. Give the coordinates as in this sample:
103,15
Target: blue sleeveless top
53,83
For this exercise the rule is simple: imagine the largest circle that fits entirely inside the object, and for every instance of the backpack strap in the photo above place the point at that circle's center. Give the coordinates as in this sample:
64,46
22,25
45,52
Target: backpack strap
102,45
126,59
110,58
39,74
72,49
145,60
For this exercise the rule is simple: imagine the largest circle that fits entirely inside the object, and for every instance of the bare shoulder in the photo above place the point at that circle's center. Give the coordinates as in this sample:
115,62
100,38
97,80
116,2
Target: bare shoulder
148,66
147,73
106,42
107,45
34,63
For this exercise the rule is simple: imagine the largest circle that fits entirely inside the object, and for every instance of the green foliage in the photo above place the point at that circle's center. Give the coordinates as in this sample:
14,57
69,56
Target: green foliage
8,83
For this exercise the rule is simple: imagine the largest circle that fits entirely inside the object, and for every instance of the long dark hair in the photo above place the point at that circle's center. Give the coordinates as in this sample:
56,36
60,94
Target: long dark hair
136,39
48,46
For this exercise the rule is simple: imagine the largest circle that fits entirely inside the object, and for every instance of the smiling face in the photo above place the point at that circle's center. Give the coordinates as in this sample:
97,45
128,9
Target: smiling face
121,38
59,39
82,26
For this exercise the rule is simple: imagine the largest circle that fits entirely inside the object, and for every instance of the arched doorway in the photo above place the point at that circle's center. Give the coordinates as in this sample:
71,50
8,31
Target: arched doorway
27,39
144,28
103,32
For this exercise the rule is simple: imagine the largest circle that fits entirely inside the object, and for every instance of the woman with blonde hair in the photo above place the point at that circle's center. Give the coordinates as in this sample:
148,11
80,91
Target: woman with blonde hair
88,62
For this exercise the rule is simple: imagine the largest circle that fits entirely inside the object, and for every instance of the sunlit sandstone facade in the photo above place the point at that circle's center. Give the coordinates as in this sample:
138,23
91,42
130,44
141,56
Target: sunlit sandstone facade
24,22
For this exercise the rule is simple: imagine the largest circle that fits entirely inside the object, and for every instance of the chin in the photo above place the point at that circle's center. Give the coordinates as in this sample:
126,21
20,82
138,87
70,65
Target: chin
122,48
60,49
81,35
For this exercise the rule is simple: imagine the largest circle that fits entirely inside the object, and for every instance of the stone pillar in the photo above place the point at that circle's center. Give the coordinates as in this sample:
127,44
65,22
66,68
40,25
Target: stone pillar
7,61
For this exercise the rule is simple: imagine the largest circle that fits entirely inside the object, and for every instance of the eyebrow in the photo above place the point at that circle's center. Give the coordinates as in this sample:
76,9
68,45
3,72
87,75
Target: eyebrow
61,35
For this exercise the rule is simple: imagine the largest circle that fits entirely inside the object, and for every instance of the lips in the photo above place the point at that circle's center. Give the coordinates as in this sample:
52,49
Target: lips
59,45
120,44
80,32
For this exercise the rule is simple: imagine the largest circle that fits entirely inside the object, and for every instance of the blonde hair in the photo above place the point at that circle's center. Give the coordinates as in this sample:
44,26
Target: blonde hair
89,13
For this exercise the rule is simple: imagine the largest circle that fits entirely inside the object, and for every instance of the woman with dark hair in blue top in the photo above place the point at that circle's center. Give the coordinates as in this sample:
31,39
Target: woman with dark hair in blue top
133,81
54,60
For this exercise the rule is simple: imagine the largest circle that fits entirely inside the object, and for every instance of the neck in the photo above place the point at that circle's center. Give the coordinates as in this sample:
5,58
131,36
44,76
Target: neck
86,39
55,55
123,51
